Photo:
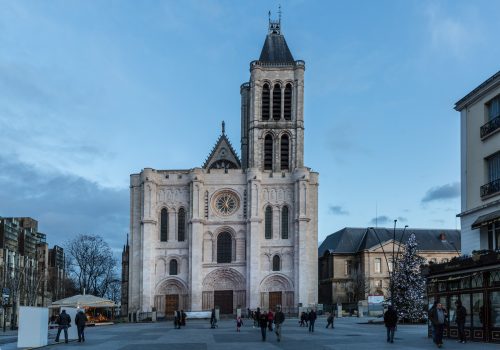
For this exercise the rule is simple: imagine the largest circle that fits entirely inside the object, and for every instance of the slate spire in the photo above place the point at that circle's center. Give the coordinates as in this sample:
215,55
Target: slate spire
275,49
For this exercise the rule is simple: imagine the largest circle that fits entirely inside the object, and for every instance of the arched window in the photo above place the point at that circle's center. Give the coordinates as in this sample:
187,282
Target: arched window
181,225
284,159
164,225
269,223
268,152
284,223
277,102
276,263
224,247
287,111
172,268
266,100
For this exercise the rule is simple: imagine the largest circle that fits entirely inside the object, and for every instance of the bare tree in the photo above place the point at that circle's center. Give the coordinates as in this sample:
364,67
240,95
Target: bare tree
91,264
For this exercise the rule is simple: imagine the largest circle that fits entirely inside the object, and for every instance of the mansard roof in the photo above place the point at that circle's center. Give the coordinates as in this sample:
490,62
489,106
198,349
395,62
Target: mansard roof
351,240
223,155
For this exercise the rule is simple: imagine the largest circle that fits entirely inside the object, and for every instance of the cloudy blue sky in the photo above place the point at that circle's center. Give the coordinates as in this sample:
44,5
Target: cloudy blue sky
92,91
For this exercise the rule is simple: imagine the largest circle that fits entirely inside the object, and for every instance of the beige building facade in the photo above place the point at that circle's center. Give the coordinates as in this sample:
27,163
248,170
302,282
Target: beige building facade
357,262
480,166
234,233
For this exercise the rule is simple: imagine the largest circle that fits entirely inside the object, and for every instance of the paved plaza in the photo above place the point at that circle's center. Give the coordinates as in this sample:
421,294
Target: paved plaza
349,333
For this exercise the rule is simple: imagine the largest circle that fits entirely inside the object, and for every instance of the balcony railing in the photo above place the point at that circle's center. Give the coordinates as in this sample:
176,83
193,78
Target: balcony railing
490,188
490,126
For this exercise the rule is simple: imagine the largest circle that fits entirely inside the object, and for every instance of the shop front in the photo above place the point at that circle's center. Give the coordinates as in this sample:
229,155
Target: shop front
476,282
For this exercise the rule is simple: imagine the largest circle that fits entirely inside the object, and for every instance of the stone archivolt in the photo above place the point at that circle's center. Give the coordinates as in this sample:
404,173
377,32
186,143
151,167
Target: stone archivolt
224,279
171,285
276,283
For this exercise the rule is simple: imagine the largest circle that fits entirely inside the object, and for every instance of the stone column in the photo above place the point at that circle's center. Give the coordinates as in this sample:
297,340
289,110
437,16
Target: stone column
196,242
254,235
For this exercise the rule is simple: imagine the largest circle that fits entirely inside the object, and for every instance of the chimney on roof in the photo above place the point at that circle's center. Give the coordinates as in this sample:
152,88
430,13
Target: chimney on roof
442,237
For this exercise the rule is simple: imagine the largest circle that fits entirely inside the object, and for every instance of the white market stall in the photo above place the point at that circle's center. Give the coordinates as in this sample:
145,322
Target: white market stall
98,310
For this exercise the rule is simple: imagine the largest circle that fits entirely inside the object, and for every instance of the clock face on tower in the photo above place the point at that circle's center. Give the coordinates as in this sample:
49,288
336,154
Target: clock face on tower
226,203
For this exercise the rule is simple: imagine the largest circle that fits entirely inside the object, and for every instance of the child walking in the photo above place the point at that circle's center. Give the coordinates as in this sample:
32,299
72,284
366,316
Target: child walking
239,323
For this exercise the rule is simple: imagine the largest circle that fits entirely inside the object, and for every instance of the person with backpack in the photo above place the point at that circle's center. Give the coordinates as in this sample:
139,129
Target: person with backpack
63,321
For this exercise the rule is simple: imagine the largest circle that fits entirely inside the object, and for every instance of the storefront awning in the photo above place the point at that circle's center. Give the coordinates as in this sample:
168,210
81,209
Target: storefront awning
486,219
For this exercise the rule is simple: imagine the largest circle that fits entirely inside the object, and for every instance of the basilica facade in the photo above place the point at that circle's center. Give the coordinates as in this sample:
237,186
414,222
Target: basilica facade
235,232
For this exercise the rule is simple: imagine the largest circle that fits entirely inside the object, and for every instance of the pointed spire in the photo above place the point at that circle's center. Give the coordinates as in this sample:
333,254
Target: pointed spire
223,128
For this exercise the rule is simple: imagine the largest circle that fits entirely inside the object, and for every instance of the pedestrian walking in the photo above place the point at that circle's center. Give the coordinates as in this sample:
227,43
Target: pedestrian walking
183,318
270,318
302,321
80,322
312,320
438,316
239,323
329,320
213,320
263,325
256,318
177,319
391,321
279,318
63,321
461,315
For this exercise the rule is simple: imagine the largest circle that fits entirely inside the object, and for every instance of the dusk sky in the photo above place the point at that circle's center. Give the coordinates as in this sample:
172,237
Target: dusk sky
93,91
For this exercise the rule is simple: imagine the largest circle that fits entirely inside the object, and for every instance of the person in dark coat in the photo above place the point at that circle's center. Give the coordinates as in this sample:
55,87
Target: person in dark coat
437,315
329,320
183,318
177,320
312,319
390,320
63,321
461,315
256,319
279,318
263,325
213,320
80,322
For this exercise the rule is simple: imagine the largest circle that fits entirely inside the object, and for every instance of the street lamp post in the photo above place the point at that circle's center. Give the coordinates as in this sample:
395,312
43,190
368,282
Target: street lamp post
395,255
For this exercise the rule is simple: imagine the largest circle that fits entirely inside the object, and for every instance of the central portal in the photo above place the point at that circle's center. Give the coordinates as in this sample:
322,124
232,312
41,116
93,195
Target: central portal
223,299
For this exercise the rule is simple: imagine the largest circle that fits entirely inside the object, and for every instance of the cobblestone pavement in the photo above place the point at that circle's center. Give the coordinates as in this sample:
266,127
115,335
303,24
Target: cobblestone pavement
349,333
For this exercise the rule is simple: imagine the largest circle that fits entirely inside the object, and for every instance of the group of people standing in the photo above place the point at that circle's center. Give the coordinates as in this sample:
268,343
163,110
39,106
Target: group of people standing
438,315
308,319
63,321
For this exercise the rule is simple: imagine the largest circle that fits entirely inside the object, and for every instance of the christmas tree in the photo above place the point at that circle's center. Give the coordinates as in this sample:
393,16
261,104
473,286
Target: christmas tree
408,284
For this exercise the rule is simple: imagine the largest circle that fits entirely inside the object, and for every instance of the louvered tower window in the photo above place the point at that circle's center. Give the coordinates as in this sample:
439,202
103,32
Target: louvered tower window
268,153
287,112
164,225
269,223
266,101
277,102
284,156
172,267
276,263
224,245
181,225
284,223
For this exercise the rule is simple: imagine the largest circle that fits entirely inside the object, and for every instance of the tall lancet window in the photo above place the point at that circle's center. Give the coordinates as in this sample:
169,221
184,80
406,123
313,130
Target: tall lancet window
268,222
266,102
164,225
276,263
284,156
277,102
287,111
173,267
224,247
284,223
181,225
268,152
